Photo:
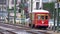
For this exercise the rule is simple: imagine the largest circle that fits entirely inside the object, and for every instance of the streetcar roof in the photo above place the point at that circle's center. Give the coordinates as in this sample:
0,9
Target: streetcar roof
44,11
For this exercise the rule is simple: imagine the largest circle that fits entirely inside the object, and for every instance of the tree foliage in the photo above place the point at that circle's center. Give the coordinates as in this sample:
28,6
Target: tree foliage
49,7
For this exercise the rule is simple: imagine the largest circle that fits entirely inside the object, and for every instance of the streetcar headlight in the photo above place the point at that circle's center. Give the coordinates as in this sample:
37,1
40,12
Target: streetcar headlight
42,22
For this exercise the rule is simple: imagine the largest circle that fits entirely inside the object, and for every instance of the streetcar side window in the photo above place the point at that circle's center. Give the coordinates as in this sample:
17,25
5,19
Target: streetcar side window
46,17
32,16
38,17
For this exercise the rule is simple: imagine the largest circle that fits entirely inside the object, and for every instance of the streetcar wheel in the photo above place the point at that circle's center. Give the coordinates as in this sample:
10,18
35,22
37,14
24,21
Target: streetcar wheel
29,25
32,26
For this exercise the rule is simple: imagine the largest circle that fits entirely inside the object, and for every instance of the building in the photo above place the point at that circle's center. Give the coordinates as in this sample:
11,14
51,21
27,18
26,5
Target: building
11,3
3,5
3,9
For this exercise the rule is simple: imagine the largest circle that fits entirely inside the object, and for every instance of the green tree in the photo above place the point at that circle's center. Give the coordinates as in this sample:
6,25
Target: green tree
49,7
20,7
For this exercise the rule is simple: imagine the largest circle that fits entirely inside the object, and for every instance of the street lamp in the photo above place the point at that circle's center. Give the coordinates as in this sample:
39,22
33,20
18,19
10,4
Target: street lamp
58,15
15,11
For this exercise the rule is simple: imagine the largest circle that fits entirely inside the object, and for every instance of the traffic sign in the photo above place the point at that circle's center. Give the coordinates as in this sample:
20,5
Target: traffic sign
56,5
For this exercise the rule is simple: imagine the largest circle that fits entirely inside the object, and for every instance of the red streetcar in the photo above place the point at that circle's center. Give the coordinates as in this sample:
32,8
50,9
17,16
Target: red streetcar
39,18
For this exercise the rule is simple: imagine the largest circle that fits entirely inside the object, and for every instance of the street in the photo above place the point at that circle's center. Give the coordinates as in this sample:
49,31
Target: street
10,29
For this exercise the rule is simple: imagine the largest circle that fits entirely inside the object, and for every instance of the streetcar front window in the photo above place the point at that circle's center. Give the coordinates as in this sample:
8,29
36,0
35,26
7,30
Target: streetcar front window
42,17
37,5
46,17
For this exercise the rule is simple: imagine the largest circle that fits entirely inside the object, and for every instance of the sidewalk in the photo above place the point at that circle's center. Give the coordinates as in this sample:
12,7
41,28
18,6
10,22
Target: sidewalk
52,32
17,24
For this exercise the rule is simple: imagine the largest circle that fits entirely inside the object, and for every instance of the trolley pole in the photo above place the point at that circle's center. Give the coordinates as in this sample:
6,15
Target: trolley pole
14,11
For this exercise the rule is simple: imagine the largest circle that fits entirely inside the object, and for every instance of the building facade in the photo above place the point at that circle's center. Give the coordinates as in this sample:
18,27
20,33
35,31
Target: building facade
3,5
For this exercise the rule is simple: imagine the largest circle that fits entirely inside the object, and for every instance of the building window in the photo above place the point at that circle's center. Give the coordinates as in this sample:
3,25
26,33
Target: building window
46,17
37,5
39,17
2,1
13,1
42,17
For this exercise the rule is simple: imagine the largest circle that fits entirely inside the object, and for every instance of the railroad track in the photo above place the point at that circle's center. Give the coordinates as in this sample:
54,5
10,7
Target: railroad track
18,28
6,32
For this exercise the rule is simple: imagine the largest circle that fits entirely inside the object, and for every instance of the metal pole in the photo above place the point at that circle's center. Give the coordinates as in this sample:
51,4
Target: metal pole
22,9
8,9
54,19
57,17
2,9
14,11
31,14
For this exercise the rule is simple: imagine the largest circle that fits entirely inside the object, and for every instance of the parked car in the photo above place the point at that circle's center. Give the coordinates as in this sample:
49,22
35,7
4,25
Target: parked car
2,20
51,23
20,20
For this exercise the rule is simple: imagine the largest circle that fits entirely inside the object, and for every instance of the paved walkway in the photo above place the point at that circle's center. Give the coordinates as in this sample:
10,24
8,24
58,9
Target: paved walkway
52,32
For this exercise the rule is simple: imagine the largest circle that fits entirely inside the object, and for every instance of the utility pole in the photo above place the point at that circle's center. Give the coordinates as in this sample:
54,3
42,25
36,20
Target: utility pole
15,11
